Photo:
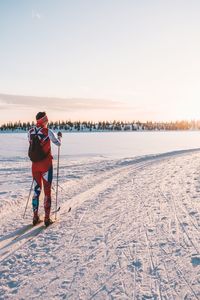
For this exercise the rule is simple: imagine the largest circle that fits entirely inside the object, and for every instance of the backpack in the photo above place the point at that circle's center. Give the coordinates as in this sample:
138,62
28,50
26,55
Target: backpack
35,151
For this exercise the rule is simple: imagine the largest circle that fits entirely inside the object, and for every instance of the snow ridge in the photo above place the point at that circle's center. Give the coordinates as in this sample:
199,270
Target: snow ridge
132,233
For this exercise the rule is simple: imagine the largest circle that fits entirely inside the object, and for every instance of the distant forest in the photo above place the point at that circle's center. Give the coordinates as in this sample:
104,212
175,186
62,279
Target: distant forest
78,126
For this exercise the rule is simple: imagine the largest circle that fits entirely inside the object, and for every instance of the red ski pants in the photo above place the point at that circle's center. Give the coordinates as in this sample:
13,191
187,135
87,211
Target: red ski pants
42,174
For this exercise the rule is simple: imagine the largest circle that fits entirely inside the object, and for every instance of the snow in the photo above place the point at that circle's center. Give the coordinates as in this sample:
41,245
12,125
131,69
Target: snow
132,232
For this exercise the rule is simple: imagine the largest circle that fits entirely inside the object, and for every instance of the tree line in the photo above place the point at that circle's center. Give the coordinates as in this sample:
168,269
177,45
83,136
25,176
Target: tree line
105,126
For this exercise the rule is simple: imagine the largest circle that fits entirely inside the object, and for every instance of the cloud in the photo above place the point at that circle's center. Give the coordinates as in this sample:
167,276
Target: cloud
58,104
16,107
36,15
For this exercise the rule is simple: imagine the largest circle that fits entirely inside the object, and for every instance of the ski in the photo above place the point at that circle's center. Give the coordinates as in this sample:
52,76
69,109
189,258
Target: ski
56,210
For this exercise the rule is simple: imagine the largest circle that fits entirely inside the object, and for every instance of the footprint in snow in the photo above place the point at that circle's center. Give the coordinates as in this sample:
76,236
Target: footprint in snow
195,260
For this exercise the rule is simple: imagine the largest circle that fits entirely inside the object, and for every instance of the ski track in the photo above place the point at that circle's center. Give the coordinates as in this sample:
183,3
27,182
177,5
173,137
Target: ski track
132,233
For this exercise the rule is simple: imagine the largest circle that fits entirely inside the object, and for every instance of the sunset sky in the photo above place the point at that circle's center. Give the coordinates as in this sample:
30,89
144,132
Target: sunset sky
96,60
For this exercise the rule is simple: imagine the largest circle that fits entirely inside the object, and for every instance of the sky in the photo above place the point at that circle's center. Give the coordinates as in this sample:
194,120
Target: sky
97,60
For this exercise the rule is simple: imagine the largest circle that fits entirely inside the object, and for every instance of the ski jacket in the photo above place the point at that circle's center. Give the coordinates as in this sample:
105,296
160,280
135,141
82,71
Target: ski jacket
45,135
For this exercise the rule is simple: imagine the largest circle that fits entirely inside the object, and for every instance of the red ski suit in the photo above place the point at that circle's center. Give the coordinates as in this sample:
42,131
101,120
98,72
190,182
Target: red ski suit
42,171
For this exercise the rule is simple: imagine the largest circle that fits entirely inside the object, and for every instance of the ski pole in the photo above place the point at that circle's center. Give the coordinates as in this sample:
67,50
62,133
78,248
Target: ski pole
58,162
28,198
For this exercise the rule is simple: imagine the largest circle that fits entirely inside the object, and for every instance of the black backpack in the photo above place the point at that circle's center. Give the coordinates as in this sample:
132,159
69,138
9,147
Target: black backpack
35,151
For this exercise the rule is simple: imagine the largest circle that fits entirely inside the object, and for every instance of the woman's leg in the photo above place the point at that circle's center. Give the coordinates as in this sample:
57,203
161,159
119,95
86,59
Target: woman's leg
37,179
47,182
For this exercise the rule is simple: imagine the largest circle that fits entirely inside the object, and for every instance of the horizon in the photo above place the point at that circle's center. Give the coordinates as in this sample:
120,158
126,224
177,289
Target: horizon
111,122
73,60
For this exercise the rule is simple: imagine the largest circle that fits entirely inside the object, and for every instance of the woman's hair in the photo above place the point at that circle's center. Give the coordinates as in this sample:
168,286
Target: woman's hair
40,115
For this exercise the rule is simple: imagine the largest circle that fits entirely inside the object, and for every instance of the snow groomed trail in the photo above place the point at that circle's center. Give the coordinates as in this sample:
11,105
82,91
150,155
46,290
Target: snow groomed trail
133,233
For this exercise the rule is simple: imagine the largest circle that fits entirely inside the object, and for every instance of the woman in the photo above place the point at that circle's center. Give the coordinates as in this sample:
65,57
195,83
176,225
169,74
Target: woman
40,138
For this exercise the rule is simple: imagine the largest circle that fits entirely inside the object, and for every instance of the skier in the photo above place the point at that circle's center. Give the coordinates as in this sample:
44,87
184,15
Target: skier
42,169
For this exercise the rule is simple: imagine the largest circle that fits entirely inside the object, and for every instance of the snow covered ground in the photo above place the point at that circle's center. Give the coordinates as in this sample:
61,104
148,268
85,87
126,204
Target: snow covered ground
133,231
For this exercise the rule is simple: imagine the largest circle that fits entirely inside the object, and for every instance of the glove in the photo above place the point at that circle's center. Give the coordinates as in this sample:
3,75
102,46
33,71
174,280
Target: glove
59,134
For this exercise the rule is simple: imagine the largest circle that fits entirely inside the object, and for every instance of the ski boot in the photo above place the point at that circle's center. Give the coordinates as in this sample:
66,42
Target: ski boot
36,218
47,222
